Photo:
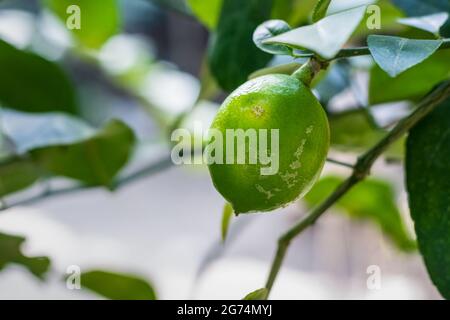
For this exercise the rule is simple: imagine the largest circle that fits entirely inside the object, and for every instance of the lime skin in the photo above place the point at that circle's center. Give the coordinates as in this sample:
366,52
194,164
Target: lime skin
272,102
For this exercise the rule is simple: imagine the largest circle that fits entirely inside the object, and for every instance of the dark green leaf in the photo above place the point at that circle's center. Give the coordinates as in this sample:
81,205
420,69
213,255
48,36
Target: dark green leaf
431,23
16,174
10,253
95,161
395,55
30,83
373,200
428,184
99,19
117,286
208,12
320,10
233,55
326,37
412,84
260,294
226,219
270,29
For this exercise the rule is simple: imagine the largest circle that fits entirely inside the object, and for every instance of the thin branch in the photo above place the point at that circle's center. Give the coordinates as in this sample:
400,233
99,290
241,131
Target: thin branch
360,172
340,163
149,170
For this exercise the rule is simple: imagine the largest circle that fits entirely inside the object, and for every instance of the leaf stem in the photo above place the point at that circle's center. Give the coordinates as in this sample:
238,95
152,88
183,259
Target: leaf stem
360,172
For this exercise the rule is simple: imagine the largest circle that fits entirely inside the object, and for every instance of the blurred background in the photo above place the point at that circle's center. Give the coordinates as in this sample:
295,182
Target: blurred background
164,227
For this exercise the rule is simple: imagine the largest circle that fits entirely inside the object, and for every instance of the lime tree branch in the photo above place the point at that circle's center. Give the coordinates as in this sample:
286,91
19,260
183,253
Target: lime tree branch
362,51
360,172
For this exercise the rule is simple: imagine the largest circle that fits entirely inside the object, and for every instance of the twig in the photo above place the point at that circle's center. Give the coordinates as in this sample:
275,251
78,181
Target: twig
122,182
360,172
340,163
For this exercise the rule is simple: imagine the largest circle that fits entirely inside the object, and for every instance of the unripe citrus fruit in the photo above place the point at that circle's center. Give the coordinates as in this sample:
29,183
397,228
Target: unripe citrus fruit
272,102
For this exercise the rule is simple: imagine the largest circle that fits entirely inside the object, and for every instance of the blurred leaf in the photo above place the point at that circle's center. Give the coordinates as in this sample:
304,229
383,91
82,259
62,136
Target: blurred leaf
412,84
295,12
395,55
428,184
417,8
371,199
344,5
208,12
320,10
233,56
10,252
287,68
117,286
28,131
95,161
334,82
260,294
270,29
326,37
422,7
16,174
354,131
227,215
431,23
99,19
30,83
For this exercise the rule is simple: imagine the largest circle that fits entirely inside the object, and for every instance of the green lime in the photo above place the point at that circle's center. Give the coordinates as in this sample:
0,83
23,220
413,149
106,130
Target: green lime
296,131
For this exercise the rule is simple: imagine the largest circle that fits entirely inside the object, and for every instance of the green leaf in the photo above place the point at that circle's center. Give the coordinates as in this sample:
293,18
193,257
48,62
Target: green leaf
431,23
117,286
428,184
94,161
287,68
260,294
270,29
410,85
226,219
326,37
208,12
417,8
30,83
99,19
233,56
10,253
396,55
16,174
320,10
372,200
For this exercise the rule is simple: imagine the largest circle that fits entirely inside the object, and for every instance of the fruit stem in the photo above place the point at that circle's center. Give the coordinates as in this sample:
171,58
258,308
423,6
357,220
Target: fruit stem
307,72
